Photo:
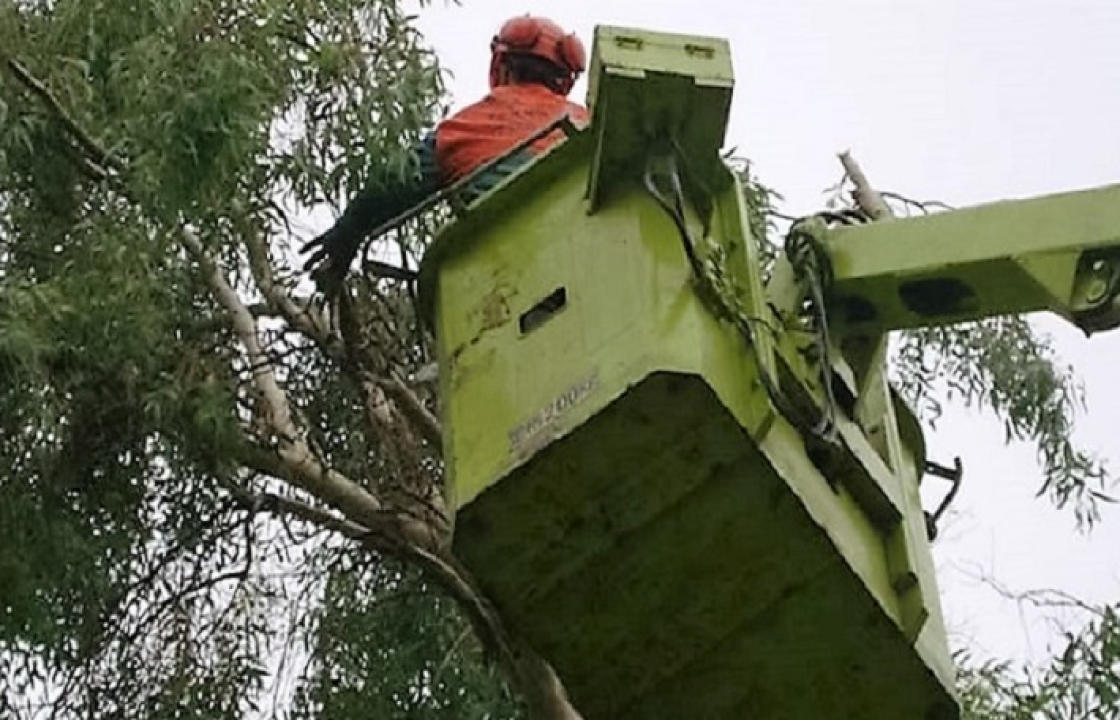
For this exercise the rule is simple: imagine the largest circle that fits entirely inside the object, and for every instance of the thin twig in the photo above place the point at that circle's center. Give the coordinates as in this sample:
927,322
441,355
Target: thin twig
922,205
1041,598
98,154
449,654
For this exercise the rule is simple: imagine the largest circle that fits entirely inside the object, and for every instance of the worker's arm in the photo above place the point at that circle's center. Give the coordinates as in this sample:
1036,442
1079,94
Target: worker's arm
383,197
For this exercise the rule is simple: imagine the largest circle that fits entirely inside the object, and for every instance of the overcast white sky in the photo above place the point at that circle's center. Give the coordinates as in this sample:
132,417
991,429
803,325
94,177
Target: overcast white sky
964,101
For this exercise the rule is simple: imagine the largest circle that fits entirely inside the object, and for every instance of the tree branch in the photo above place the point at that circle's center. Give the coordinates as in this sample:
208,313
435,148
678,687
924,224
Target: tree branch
866,197
923,205
366,511
535,678
99,157
280,505
414,408
292,458
392,409
1041,598
87,167
277,298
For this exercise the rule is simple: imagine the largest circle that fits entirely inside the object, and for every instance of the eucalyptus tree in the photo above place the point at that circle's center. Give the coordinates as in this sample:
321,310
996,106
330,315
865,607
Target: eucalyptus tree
207,471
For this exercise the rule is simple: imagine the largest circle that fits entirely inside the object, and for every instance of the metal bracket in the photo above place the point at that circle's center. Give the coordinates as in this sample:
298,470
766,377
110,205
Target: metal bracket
1096,294
954,476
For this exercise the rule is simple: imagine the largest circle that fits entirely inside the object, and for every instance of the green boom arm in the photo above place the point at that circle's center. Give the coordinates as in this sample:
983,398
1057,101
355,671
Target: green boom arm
1059,253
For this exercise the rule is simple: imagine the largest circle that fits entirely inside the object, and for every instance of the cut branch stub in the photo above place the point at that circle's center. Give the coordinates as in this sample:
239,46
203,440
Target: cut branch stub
866,197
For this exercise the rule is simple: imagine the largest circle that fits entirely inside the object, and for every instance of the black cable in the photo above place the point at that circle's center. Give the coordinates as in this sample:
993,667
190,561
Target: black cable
824,428
809,259
675,210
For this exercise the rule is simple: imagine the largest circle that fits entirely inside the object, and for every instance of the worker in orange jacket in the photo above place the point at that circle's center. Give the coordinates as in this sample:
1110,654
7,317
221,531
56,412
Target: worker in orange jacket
533,66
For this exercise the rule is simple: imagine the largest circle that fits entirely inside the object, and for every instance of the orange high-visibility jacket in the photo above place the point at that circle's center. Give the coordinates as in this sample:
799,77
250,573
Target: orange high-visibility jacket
496,124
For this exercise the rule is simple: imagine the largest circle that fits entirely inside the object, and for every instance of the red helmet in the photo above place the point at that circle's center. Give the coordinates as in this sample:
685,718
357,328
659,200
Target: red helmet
528,35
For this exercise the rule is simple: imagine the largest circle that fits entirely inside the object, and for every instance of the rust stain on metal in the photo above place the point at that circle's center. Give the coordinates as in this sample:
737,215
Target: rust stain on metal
494,309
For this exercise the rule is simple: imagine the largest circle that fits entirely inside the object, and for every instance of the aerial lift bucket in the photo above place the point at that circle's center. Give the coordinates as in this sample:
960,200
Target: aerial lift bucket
628,493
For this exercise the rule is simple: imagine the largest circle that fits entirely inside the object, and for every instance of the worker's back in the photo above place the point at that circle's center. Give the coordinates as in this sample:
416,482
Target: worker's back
496,124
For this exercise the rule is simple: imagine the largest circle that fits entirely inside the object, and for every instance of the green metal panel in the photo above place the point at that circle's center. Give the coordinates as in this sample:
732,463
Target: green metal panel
676,567
1007,257
648,89
627,493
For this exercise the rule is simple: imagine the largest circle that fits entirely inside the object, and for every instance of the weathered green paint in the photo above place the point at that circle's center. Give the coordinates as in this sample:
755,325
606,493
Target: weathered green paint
670,568
628,494
1006,257
650,91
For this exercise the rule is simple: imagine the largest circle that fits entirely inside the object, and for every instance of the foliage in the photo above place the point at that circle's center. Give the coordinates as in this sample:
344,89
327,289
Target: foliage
1004,365
136,580
1081,681
761,203
390,646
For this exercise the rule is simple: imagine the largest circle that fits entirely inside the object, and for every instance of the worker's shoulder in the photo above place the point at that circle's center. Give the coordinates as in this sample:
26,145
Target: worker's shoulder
486,102
529,95
538,102
529,102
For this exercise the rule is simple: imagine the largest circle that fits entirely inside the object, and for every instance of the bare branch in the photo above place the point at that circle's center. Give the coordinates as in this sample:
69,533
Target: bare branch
292,458
339,492
866,197
303,319
1041,598
414,408
924,206
87,167
285,506
99,157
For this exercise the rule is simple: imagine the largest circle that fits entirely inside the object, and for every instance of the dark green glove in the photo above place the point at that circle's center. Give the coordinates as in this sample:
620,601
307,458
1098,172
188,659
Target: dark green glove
382,199
334,250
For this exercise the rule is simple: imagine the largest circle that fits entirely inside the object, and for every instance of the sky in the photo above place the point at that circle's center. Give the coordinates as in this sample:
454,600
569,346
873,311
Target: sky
962,101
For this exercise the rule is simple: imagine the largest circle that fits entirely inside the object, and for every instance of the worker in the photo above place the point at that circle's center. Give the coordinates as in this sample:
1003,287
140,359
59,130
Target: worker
533,66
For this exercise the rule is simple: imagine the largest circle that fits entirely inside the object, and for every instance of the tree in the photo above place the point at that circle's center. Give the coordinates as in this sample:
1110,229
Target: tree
1080,681
221,495
190,445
